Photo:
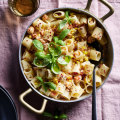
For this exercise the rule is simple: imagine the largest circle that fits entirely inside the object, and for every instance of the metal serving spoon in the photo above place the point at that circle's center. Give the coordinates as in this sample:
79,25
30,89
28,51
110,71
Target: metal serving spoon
96,63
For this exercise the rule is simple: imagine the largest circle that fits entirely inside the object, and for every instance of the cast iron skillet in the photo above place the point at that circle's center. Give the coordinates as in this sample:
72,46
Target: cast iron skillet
108,58
7,106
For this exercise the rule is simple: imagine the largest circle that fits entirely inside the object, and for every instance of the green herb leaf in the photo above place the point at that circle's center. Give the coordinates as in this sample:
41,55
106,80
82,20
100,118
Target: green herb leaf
40,79
62,116
50,85
63,34
54,49
56,116
62,24
40,55
40,62
48,114
64,60
45,87
57,41
67,14
60,42
55,68
55,38
38,45
69,20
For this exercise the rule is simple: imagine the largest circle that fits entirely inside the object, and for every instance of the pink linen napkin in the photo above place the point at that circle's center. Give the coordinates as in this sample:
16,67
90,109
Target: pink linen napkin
11,31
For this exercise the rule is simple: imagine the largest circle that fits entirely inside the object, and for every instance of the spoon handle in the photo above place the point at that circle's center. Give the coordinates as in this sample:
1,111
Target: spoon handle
94,113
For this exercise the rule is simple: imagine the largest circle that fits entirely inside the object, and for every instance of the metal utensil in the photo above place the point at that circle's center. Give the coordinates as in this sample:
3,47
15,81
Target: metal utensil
96,63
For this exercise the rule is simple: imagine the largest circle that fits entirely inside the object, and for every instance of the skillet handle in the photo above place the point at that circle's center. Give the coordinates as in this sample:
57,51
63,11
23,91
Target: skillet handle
21,97
111,10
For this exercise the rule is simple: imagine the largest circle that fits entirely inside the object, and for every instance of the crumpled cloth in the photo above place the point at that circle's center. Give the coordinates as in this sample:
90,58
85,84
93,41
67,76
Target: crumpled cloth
11,30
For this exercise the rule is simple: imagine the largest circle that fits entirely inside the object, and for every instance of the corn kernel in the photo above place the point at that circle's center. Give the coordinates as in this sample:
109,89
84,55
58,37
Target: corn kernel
68,77
81,60
70,80
83,47
30,36
89,76
39,35
73,37
36,83
71,56
68,43
85,52
71,14
59,88
86,58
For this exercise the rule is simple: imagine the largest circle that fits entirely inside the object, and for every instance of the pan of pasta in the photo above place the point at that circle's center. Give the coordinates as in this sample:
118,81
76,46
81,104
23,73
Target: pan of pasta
56,51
